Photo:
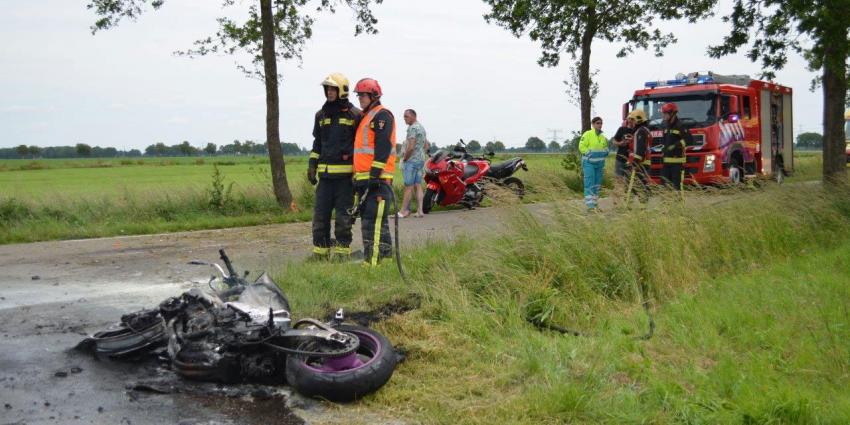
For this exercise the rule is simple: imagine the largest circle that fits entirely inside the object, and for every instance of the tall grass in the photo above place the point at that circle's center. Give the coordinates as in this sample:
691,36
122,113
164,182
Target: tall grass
750,302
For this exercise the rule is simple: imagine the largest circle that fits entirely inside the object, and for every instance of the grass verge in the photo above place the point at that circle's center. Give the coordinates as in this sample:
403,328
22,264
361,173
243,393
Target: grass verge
751,303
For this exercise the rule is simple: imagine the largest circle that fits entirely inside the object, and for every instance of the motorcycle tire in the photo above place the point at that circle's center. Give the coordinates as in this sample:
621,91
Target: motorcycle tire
429,200
515,185
347,378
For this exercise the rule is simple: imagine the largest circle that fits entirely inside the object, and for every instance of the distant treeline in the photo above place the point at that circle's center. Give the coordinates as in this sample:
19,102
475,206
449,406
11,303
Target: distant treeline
82,150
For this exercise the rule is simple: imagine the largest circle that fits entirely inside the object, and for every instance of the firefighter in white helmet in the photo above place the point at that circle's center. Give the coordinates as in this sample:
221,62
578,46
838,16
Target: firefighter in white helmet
330,166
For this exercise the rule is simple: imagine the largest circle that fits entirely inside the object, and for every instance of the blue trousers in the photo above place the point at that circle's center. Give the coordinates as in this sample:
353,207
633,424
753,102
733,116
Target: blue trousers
592,180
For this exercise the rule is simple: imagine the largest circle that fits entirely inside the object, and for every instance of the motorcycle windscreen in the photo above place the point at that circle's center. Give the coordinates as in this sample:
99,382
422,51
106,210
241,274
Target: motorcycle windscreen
264,293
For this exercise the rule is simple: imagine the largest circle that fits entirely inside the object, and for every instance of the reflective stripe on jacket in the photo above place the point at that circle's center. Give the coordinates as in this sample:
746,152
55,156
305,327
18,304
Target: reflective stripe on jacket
333,139
676,139
364,148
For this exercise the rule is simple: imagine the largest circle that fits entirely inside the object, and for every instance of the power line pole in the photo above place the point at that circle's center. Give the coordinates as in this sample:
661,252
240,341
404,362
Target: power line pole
554,132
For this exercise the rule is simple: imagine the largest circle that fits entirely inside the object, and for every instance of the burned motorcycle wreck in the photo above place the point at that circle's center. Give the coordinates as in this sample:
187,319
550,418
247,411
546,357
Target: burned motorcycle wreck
242,332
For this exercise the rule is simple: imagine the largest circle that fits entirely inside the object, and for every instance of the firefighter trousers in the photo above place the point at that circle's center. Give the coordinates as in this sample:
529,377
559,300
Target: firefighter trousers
673,175
333,195
374,225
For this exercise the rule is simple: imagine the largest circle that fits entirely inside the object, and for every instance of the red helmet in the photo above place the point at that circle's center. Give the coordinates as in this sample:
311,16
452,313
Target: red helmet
369,85
669,108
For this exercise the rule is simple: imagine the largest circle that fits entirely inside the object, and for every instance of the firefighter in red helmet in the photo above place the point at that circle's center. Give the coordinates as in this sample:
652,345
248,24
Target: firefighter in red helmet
374,165
331,161
676,139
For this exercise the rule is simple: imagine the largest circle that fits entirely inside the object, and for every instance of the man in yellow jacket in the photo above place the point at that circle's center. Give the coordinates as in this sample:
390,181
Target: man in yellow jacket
594,149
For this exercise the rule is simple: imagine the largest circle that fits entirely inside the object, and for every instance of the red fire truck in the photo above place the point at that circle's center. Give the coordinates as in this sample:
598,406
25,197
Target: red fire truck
741,127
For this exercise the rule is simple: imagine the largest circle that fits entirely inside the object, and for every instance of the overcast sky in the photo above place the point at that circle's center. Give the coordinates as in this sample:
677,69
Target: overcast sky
60,85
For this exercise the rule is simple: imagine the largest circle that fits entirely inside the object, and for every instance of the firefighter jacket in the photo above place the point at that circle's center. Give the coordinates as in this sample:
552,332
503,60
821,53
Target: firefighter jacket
374,145
676,138
592,146
333,139
641,142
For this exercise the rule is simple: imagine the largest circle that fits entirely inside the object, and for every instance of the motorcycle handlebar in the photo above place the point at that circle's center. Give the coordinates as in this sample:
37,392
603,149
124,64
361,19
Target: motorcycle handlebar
227,263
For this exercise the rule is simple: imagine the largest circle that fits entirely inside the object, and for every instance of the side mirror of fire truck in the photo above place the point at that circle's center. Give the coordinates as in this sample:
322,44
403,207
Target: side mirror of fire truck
625,110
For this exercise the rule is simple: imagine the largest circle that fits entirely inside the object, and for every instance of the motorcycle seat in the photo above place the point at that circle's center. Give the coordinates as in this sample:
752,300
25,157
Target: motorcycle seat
469,170
503,169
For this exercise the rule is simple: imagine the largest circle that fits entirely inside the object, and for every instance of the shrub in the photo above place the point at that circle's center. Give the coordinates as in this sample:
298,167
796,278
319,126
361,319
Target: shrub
13,210
34,165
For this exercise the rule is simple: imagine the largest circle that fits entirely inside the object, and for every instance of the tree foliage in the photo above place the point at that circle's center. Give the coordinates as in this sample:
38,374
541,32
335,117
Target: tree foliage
535,144
810,140
83,149
495,146
818,30
473,146
571,26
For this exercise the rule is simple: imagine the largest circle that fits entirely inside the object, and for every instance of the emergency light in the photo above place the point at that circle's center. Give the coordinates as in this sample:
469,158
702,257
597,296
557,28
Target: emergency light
684,81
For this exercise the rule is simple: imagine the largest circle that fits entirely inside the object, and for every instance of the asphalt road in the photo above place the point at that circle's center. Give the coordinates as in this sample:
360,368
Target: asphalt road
52,294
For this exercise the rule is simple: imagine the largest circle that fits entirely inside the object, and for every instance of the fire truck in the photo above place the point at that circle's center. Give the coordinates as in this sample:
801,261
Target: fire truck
741,127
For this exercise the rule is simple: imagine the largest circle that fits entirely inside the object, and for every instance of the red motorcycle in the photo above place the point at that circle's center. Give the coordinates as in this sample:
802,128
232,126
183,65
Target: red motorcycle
457,177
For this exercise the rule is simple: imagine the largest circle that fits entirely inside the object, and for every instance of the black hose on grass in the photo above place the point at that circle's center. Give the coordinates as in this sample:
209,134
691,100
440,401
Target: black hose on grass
397,249
644,301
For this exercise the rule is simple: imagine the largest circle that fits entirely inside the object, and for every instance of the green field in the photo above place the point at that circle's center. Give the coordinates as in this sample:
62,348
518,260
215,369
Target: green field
750,299
80,198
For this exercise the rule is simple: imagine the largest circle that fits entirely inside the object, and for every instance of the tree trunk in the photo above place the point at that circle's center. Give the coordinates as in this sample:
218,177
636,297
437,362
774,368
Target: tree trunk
278,168
834,95
584,82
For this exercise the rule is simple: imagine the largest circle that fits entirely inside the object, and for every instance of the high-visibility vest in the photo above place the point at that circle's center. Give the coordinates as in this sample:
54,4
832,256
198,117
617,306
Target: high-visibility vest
593,147
364,148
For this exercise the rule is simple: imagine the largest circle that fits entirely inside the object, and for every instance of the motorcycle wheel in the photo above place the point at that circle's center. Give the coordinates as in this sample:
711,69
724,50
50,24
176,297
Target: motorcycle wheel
515,185
429,200
345,378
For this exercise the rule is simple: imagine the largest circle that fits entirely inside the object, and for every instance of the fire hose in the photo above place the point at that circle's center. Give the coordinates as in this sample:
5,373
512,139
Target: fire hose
354,212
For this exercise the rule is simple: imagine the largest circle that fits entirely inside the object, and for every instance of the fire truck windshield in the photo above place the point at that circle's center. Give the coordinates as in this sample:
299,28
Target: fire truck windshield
695,110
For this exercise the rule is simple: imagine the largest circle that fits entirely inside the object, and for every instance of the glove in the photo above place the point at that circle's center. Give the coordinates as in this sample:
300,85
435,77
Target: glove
311,174
375,183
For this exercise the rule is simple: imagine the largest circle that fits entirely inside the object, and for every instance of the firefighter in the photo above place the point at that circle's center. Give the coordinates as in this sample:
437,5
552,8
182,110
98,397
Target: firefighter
331,161
676,138
374,165
639,162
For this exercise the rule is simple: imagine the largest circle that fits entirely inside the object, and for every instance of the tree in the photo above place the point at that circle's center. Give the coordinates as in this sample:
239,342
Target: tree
810,140
535,144
34,151
498,146
554,146
571,26
210,149
473,146
819,31
22,150
274,29
185,148
83,149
